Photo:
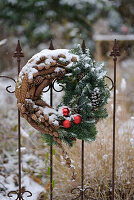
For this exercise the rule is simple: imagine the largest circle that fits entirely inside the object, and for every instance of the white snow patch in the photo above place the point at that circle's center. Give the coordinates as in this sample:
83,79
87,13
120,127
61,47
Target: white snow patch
123,84
2,42
29,67
59,69
23,133
132,142
22,149
105,157
119,109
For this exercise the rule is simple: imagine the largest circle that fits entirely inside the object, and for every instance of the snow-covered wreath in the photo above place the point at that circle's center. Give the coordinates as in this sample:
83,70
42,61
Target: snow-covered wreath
82,105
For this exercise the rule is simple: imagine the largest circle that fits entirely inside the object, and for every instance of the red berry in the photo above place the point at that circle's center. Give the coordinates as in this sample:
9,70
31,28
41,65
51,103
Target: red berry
67,124
65,111
77,119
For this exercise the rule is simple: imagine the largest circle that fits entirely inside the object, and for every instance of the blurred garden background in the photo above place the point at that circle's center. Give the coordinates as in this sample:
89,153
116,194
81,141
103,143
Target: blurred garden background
67,23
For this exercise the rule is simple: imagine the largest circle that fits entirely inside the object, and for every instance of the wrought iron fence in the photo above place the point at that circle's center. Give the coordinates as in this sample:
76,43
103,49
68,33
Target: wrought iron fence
79,192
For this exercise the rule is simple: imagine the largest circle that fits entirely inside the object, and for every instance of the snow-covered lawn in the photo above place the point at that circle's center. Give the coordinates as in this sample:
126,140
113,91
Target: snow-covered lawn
35,153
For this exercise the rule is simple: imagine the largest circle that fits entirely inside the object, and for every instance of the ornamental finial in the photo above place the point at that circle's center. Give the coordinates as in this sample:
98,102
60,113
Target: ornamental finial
115,51
83,46
51,47
18,53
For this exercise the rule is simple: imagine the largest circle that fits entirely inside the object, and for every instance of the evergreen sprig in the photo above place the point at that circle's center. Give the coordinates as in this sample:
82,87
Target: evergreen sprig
84,85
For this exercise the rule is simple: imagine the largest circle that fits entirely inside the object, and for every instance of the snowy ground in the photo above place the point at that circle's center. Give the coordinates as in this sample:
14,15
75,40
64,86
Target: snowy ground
35,152
34,165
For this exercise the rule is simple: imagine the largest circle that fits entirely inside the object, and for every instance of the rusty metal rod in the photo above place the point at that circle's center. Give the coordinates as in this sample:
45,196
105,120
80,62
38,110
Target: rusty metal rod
114,124
51,151
83,46
51,47
115,52
19,141
19,154
18,54
82,169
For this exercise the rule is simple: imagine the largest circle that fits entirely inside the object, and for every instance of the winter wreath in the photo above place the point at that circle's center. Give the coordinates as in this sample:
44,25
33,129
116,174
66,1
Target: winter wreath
82,105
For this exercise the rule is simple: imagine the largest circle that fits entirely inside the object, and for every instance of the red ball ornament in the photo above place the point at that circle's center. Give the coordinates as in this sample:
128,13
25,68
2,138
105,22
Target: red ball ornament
77,119
65,111
67,124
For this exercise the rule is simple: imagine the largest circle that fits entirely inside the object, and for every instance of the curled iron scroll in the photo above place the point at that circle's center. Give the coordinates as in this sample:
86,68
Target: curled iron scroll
9,86
91,190
19,195
79,192
75,191
111,82
53,87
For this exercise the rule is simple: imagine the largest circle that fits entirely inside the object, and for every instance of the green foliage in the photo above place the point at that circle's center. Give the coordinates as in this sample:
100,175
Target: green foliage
123,15
87,78
48,171
48,138
85,94
53,183
34,18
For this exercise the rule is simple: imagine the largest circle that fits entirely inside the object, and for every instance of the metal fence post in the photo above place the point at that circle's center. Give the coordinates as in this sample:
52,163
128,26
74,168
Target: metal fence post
82,191
51,47
52,88
18,54
115,53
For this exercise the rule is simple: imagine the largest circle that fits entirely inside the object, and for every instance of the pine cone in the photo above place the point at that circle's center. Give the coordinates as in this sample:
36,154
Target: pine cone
34,117
44,72
44,84
38,80
29,107
24,88
42,120
32,91
46,124
47,67
74,59
60,75
28,95
55,134
81,75
46,117
42,59
23,109
53,63
54,58
41,67
19,105
42,103
62,55
37,114
17,93
30,81
95,98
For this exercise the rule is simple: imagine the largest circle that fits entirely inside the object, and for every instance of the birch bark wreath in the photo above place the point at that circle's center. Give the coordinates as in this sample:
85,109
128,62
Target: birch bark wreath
85,95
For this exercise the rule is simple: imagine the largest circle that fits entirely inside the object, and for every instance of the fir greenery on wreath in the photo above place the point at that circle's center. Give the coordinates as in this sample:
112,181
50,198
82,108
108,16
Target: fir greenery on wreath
85,95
